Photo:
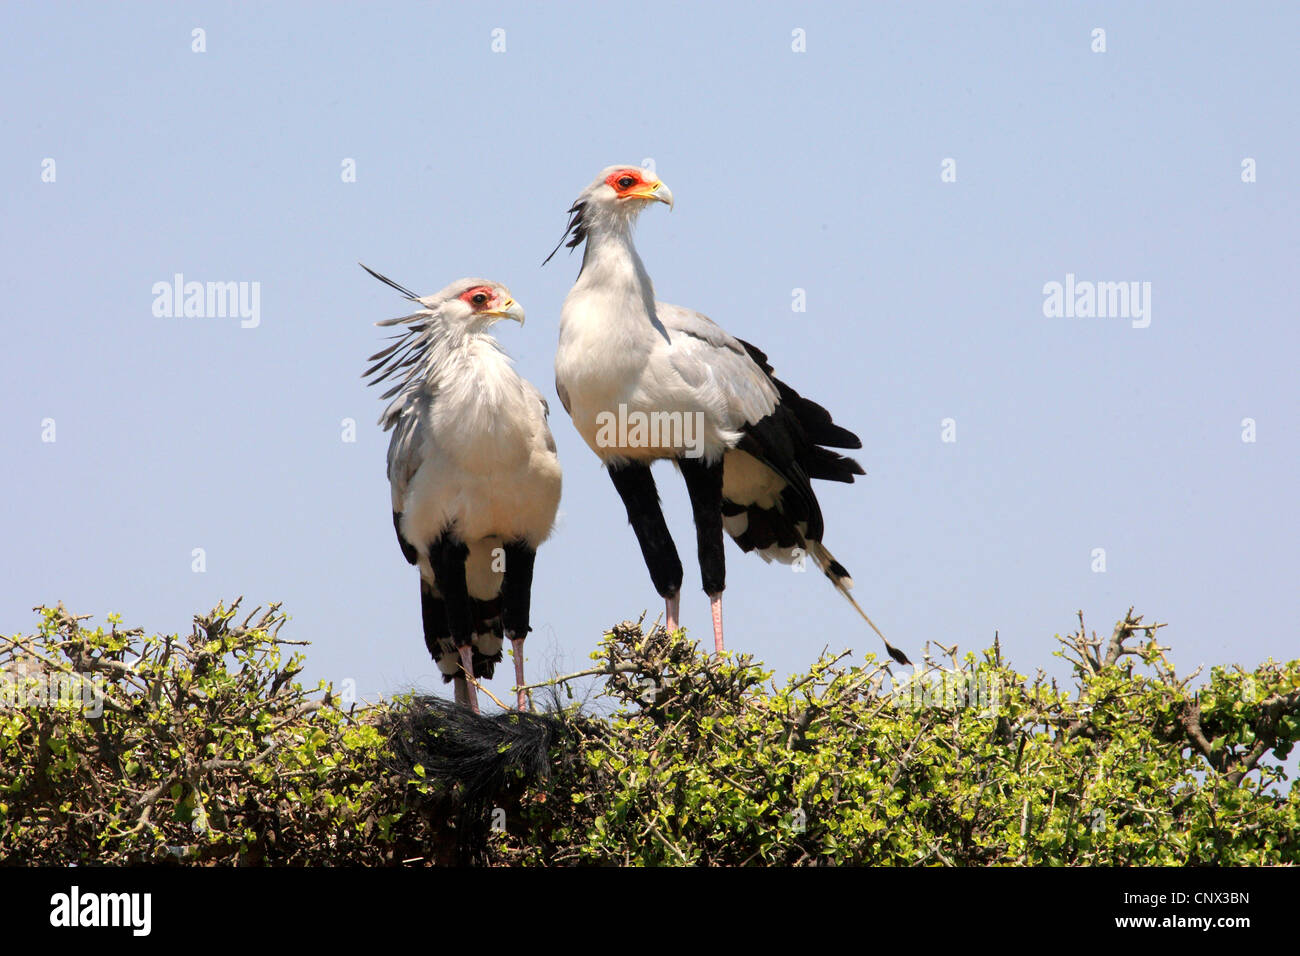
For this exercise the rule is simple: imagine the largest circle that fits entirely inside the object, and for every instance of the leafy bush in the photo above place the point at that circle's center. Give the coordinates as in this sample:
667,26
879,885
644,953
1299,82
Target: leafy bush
207,751
974,764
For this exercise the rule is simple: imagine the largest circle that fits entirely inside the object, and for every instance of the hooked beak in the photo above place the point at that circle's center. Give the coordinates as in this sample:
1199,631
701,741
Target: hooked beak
654,191
510,309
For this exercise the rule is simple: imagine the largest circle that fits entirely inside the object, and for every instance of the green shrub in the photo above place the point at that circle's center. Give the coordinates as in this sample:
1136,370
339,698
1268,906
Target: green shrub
207,751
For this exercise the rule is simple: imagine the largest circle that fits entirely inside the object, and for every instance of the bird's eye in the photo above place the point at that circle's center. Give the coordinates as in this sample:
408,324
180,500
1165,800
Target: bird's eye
626,182
479,299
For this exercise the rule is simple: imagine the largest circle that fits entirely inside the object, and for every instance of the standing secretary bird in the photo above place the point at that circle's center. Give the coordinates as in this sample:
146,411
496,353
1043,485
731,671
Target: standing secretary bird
644,380
474,475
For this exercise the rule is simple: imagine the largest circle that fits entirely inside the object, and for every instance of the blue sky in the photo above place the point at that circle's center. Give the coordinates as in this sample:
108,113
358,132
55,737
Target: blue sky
817,170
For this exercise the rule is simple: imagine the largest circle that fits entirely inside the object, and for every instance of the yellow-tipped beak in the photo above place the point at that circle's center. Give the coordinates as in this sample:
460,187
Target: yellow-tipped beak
654,191
510,309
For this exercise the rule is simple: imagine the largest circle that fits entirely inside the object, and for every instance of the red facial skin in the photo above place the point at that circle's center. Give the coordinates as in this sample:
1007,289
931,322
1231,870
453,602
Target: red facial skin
468,297
612,179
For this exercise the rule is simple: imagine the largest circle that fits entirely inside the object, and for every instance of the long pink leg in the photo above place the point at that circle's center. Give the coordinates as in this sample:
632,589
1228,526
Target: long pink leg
715,605
467,666
672,612
522,699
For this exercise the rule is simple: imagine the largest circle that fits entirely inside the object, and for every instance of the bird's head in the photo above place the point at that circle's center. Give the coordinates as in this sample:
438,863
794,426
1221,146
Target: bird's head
615,198
467,304
474,304
464,308
628,189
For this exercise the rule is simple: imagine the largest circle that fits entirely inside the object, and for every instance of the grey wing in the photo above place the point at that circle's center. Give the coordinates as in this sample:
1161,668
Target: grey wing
405,452
532,392
406,449
706,356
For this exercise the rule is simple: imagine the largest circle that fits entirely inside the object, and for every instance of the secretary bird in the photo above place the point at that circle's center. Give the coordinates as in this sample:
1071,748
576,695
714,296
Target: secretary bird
474,475
644,380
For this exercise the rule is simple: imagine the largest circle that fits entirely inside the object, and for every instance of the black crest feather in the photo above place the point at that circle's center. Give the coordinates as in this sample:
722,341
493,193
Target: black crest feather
576,227
402,360
389,282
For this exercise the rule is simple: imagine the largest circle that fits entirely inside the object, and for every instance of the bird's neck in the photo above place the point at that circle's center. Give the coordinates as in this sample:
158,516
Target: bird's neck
610,263
461,351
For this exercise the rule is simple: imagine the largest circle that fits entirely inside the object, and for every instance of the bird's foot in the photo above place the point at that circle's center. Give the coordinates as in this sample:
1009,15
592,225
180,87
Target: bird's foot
672,611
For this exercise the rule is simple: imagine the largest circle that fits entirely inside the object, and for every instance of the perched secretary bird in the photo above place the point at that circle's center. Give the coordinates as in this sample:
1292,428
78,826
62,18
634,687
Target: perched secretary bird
474,474
644,380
